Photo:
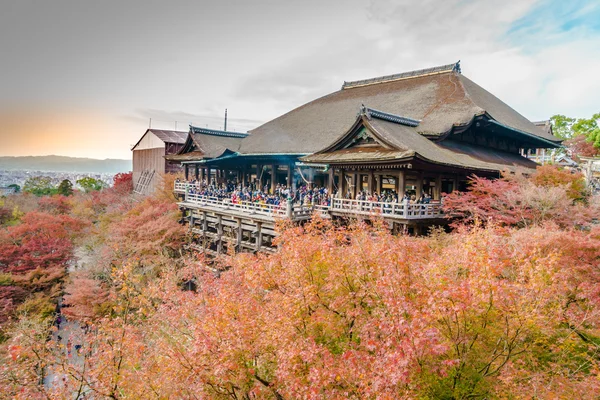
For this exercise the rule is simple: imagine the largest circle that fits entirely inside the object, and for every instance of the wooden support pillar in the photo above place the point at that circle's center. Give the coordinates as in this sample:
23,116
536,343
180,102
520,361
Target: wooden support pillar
419,185
219,234
455,183
311,178
196,171
273,178
355,177
370,182
438,187
330,178
379,183
187,172
290,175
239,235
400,184
294,183
192,221
259,237
203,173
259,176
204,222
341,184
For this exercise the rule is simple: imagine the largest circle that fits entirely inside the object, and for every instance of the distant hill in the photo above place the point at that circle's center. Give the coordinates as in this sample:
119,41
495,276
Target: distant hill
65,164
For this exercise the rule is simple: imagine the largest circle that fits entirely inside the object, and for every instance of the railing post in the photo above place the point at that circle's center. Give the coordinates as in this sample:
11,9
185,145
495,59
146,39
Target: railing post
289,208
186,192
405,209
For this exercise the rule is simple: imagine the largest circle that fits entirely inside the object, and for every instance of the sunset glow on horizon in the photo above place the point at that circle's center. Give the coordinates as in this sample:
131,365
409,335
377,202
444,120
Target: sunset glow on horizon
83,79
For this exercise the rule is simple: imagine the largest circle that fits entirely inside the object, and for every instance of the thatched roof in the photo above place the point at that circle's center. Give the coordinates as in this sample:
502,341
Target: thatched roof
441,98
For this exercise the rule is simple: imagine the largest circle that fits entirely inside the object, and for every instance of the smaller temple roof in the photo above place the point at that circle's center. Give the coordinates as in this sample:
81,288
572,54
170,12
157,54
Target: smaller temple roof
204,143
170,136
396,141
177,137
214,132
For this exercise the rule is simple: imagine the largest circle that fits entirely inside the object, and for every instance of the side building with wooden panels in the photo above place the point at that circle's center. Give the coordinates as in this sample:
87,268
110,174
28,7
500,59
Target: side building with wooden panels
149,161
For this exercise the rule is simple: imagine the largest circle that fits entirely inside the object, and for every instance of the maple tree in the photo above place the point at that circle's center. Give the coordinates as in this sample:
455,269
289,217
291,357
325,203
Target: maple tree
358,313
513,200
123,182
506,305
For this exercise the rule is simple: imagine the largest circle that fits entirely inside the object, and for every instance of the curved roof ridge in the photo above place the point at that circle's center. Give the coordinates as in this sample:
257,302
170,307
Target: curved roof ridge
404,75
371,112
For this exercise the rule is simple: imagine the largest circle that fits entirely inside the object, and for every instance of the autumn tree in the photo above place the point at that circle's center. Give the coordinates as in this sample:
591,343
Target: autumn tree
57,204
358,313
123,182
33,257
549,194
580,146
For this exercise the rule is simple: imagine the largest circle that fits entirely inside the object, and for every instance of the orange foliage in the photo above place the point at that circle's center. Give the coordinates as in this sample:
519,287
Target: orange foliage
359,313
550,194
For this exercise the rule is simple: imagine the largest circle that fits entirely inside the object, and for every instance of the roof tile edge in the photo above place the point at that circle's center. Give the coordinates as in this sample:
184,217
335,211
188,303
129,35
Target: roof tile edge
404,75
214,132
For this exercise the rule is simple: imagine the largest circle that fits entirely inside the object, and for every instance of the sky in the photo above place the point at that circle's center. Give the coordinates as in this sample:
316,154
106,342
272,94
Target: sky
83,78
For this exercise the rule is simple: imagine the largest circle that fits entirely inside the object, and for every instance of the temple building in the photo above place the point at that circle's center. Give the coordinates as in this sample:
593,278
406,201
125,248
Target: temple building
416,133
149,157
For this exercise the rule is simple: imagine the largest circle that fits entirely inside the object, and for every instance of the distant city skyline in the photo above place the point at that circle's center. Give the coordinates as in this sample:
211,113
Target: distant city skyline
83,78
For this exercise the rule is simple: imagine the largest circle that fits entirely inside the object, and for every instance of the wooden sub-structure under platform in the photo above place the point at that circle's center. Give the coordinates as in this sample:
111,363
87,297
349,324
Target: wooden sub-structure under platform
218,226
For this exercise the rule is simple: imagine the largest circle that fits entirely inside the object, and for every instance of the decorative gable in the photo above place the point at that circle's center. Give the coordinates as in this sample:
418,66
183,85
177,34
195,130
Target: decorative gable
362,138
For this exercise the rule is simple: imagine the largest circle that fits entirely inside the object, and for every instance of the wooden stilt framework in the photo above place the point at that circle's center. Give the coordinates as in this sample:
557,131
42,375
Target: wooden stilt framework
141,186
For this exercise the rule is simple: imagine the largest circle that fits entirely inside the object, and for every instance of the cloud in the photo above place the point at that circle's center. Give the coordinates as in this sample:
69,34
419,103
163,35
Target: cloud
179,119
517,49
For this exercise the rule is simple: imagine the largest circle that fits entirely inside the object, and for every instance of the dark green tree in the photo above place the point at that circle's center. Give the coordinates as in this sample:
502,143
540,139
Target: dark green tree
16,187
65,188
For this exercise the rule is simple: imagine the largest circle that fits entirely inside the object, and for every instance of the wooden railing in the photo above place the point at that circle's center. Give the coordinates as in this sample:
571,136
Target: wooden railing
390,210
296,212
180,187
244,206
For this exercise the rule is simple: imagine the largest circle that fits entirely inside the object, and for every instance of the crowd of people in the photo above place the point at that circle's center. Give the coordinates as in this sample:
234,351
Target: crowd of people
303,195
251,192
